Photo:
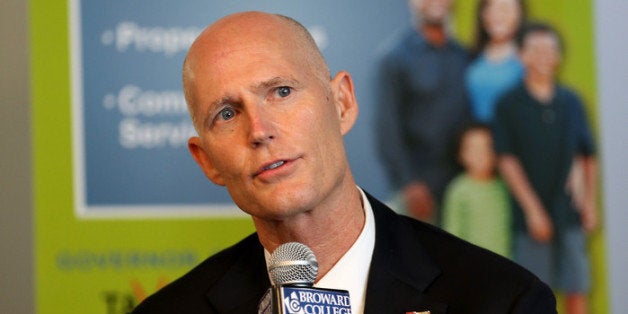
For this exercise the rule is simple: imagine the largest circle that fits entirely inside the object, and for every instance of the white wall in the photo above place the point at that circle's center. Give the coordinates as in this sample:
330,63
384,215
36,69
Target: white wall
612,65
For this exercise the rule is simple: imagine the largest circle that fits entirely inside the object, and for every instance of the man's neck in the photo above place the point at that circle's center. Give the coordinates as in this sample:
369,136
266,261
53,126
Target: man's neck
540,87
435,34
329,230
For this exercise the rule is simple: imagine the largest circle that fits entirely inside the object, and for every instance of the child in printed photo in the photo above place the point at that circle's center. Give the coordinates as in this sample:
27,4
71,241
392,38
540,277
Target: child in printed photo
476,206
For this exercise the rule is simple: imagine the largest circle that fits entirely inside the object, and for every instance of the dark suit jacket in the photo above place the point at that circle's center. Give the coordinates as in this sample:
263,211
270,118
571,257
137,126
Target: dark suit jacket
415,267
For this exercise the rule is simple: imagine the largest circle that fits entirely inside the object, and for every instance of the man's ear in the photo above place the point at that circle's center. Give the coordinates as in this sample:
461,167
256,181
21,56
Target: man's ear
202,159
344,99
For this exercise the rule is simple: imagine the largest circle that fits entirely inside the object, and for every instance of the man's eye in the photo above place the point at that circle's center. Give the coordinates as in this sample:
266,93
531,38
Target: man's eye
226,114
283,91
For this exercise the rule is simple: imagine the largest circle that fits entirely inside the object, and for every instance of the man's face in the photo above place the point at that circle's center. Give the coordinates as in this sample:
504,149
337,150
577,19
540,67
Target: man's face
431,11
269,128
541,54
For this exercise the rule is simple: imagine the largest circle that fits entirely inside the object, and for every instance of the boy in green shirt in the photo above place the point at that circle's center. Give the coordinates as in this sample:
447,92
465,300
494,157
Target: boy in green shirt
476,206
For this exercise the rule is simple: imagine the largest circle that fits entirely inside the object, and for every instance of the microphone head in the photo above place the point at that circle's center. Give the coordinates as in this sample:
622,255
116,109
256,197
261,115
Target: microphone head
293,263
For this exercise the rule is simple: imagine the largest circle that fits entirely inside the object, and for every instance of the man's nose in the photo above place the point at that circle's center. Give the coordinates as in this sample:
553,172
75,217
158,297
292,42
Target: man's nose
262,127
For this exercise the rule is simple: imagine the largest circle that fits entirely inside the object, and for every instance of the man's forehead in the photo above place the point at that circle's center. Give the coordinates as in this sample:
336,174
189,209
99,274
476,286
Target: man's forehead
248,64
277,54
234,70
542,37
239,41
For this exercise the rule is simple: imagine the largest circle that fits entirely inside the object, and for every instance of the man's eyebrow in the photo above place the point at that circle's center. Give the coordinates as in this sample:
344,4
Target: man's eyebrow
275,81
220,102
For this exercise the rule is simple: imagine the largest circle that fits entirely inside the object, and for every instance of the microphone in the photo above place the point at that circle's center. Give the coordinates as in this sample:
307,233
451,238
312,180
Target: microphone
293,269
293,263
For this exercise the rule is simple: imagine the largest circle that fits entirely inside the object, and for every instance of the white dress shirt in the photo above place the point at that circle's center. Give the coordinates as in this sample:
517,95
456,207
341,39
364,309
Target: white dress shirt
351,271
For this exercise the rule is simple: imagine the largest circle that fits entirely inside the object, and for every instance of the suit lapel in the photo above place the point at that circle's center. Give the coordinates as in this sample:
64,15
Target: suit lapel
401,269
244,284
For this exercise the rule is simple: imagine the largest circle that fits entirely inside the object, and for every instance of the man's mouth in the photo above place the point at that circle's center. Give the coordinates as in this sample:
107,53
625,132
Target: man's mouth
270,166
274,165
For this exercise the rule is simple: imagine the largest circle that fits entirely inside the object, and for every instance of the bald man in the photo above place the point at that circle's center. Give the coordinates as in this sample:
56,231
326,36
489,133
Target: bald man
270,120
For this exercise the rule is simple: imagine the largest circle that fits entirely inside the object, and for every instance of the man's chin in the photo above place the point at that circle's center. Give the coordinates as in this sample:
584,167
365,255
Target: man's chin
280,209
